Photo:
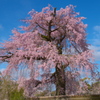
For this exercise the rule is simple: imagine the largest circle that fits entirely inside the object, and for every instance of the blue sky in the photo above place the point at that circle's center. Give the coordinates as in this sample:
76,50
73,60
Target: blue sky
12,11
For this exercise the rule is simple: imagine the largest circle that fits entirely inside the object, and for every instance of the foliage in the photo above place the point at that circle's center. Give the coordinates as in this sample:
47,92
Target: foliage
52,43
95,88
43,93
8,89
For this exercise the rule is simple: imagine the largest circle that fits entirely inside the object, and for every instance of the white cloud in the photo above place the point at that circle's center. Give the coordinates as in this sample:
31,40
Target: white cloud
96,53
95,40
2,69
97,28
94,48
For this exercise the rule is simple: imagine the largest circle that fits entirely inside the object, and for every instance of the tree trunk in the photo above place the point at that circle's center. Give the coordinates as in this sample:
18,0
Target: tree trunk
60,81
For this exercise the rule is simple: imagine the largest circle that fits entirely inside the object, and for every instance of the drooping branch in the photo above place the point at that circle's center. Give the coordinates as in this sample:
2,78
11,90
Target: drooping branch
75,48
5,58
41,26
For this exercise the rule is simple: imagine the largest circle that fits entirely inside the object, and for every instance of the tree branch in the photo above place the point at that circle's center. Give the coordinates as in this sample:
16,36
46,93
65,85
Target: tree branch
4,58
41,27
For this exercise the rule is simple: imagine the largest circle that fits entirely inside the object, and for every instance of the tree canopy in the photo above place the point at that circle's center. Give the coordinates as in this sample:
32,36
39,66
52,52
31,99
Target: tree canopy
52,43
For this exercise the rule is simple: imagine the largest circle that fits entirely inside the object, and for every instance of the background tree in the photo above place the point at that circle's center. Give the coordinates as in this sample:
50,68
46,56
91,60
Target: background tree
8,89
95,85
52,42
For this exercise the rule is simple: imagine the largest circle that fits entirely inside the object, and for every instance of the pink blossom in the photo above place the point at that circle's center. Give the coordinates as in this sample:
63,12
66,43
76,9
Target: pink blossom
44,39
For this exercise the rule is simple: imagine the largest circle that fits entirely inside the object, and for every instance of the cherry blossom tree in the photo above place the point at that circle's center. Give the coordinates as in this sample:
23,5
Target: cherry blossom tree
51,42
